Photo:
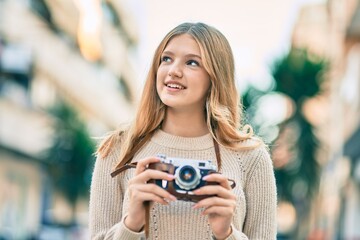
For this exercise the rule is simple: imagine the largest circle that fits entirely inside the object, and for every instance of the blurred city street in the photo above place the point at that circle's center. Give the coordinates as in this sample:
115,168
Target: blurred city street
73,70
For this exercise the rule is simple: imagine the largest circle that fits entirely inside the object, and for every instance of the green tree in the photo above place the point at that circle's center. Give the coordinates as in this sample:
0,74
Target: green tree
299,76
70,157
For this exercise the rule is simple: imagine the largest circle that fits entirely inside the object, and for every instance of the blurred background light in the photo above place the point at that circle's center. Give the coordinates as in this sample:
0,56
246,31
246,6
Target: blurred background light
89,30
287,217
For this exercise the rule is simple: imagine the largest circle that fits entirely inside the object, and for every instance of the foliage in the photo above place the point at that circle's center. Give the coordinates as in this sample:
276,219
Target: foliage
70,157
298,75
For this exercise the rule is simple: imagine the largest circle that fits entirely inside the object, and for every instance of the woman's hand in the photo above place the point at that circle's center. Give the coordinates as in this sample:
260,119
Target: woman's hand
141,191
220,208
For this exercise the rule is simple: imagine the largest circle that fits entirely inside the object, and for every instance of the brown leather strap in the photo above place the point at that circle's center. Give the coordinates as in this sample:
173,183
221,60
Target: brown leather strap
139,143
233,184
123,168
147,217
161,167
133,164
217,153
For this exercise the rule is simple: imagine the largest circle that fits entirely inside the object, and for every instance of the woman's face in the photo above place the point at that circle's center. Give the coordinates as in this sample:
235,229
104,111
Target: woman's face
182,82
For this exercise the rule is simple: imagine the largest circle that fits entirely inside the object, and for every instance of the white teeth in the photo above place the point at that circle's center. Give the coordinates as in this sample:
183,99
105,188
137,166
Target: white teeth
172,85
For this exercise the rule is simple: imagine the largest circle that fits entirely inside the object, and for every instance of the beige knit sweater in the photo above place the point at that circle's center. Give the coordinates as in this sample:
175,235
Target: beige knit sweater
252,170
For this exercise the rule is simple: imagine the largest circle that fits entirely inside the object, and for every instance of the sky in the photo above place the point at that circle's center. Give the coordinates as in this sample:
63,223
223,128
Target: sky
258,31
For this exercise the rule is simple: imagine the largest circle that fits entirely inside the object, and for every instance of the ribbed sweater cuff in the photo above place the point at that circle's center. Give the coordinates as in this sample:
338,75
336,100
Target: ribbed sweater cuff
124,232
235,235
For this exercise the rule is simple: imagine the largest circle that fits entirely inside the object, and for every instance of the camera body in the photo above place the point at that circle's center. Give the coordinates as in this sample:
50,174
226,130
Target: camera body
188,176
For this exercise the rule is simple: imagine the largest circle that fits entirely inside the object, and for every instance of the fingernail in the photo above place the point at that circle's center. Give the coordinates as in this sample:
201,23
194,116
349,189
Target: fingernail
195,206
173,198
171,176
196,191
206,177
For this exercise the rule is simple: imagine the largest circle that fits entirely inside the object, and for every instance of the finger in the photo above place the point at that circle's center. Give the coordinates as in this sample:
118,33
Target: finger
221,211
152,174
154,189
148,196
216,177
143,163
215,201
215,190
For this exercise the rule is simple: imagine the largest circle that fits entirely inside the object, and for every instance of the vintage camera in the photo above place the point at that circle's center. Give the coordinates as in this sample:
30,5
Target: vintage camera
188,173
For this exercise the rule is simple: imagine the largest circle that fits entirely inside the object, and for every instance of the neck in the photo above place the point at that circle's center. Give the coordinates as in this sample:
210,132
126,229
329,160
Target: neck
185,123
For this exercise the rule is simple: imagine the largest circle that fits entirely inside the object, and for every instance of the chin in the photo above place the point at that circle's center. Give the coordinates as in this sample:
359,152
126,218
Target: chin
169,102
171,105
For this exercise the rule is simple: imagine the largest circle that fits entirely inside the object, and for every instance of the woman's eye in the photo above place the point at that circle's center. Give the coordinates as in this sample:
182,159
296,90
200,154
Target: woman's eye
193,63
165,59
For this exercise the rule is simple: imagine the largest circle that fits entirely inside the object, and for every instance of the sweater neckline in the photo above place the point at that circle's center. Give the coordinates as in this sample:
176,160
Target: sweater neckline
185,143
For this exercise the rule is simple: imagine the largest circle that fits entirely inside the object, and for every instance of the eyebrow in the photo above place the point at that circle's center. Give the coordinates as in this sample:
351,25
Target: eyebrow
187,55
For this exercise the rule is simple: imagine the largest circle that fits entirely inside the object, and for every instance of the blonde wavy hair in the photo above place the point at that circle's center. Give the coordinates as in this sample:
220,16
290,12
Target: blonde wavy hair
223,109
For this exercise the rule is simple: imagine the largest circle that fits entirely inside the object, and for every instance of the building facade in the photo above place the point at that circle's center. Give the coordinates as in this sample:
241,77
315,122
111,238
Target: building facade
332,31
77,52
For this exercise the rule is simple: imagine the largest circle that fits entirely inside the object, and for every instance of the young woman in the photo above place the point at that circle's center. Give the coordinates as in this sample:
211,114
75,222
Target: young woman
189,110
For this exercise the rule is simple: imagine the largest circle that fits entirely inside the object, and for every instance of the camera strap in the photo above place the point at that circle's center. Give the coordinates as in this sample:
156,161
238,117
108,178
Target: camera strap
123,168
218,160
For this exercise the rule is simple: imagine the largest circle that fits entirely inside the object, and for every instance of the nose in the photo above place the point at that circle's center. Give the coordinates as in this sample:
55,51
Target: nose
175,71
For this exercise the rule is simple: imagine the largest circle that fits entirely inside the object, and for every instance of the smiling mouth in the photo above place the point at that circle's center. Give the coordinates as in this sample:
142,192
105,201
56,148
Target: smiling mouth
175,86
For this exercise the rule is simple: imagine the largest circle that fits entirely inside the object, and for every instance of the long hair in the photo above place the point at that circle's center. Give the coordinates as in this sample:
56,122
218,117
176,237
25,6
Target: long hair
223,110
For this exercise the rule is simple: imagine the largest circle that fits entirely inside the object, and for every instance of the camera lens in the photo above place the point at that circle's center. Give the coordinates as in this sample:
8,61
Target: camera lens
187,177
187,174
